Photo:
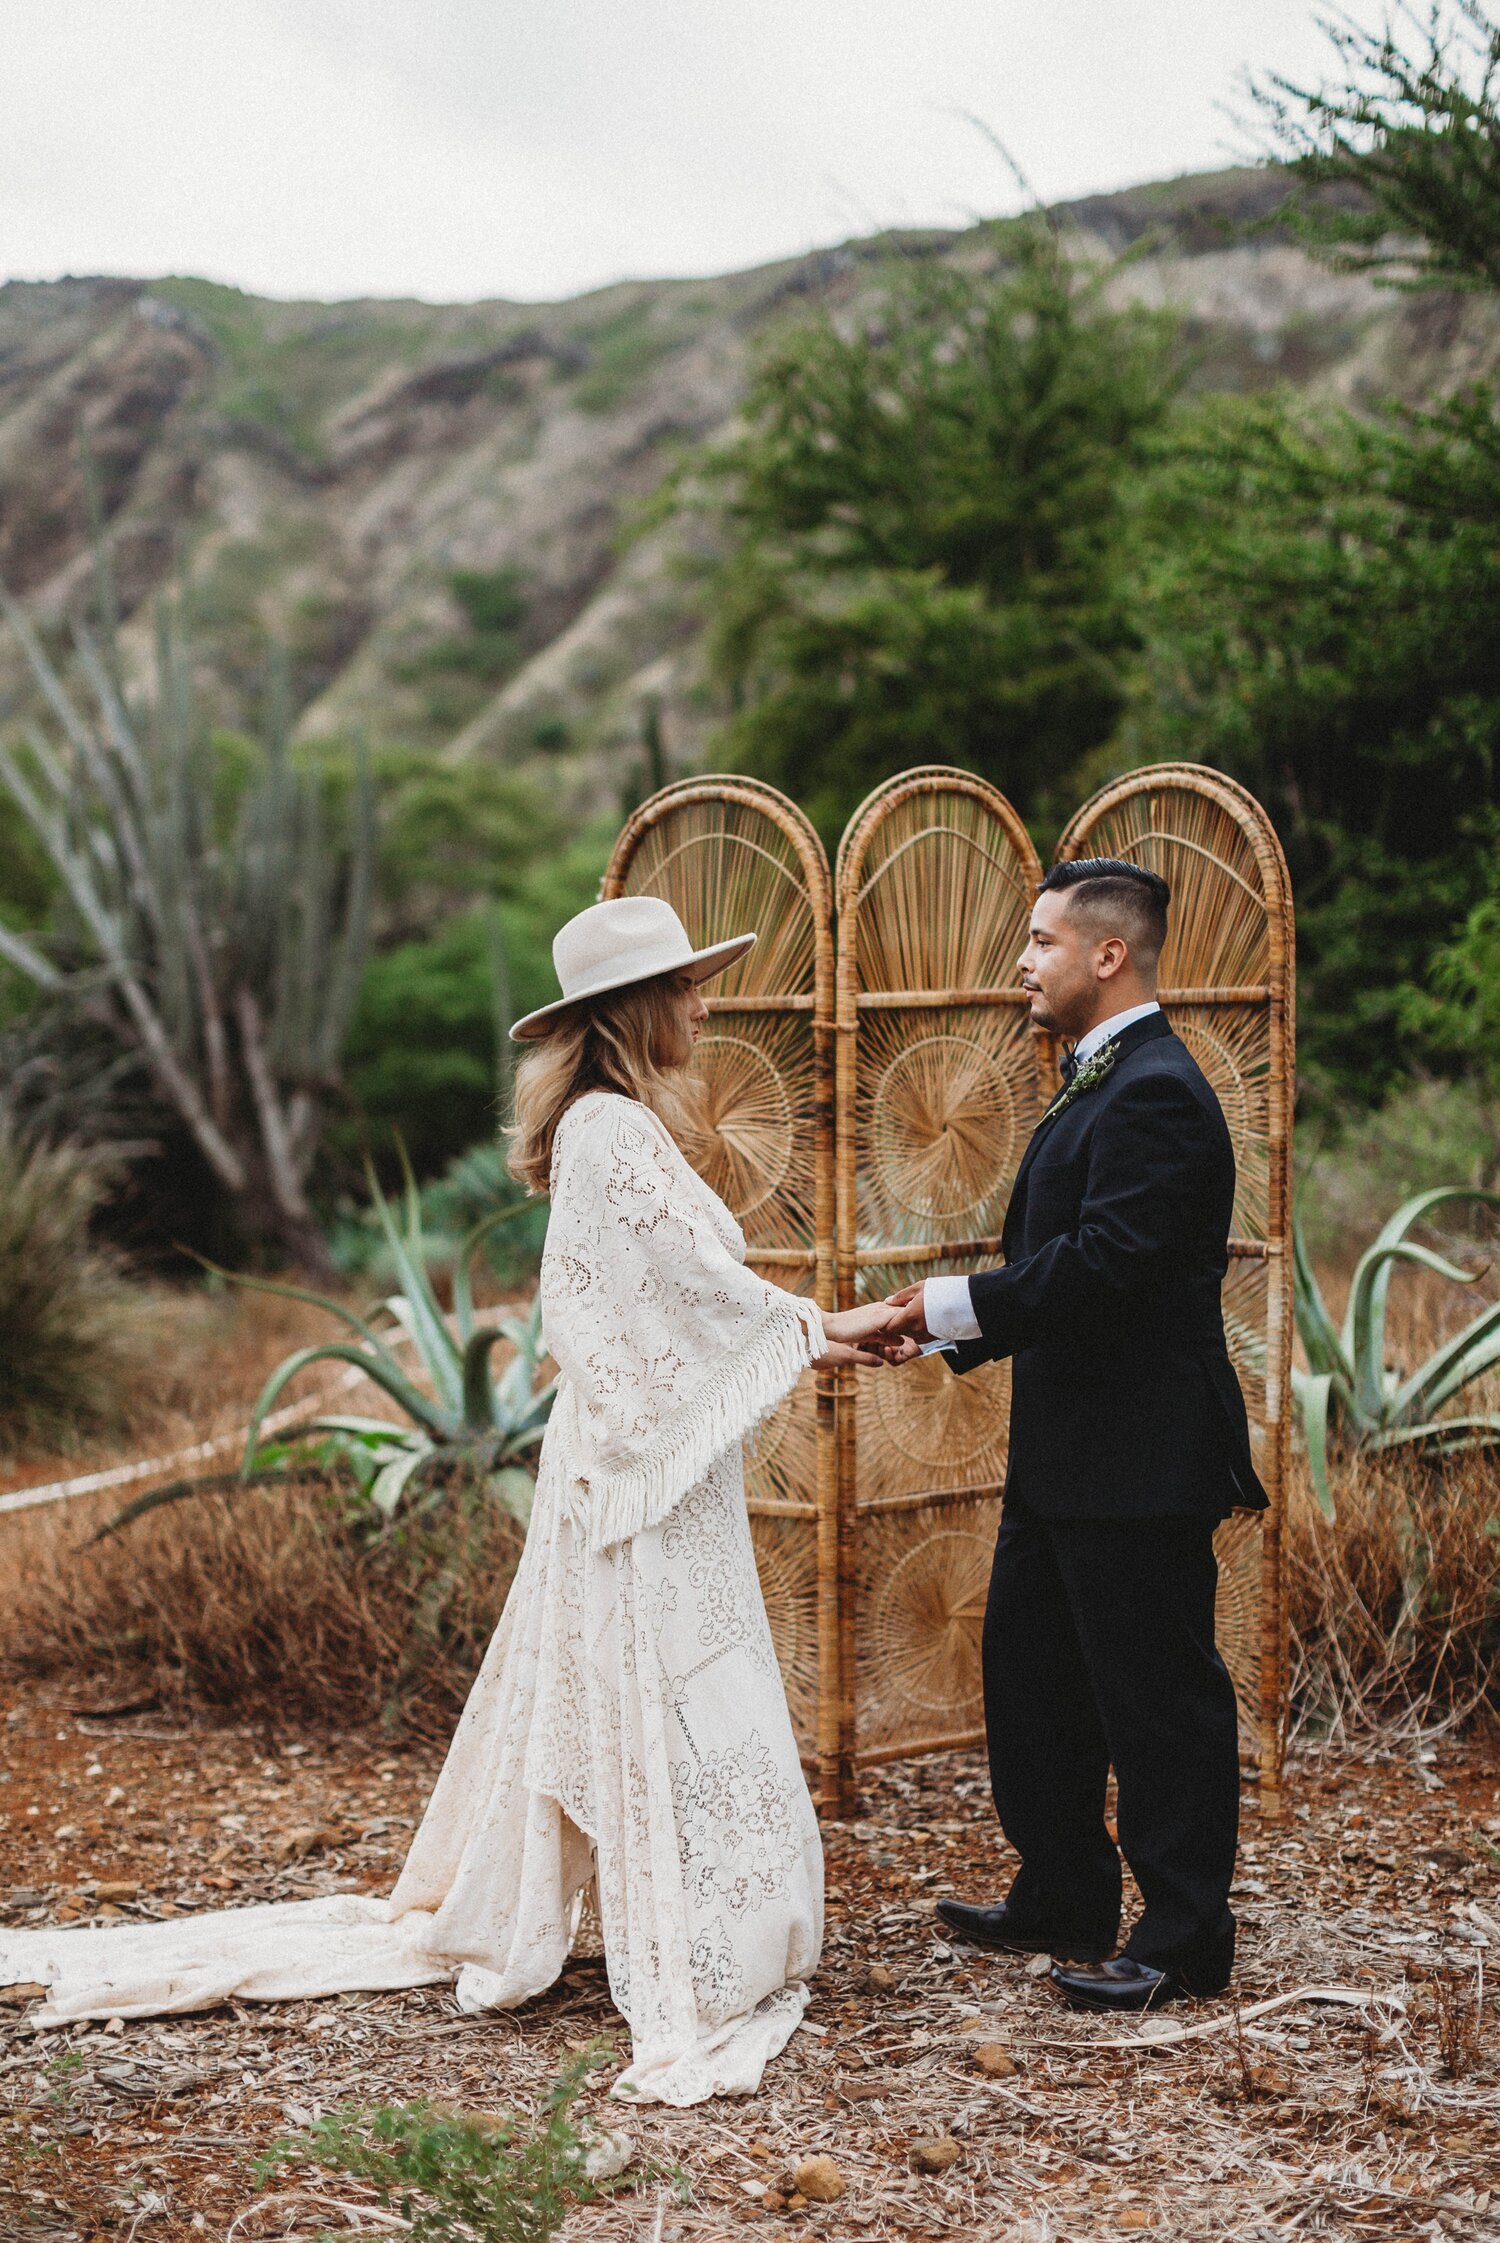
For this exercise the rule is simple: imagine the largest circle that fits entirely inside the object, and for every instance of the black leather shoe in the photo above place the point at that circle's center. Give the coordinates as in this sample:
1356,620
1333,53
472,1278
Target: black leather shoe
998,1928
1120,1984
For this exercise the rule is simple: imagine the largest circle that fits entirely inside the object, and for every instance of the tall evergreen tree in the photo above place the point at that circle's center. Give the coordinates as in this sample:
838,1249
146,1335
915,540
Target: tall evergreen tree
922,518
1322,599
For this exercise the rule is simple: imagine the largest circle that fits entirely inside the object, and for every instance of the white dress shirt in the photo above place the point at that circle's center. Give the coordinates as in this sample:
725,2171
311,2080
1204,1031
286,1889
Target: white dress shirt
947,1304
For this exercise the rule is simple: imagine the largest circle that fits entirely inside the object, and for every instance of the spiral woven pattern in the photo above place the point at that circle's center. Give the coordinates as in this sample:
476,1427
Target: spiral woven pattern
852,1178
1226,985
923,1579
733,857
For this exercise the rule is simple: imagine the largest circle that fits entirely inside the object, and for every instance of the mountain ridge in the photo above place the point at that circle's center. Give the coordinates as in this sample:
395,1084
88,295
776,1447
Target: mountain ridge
368,481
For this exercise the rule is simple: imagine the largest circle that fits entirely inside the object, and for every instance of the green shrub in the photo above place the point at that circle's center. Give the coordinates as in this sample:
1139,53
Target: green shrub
463,2176
923,513
427,1057
69,1322
1385,1155
475,1185
492,648
1350,1386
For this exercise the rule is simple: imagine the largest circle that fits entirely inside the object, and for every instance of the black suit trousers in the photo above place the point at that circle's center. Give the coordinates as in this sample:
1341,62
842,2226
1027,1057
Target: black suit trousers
1099,1651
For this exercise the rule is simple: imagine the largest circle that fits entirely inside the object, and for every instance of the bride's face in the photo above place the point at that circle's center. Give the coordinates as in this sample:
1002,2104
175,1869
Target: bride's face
685,1017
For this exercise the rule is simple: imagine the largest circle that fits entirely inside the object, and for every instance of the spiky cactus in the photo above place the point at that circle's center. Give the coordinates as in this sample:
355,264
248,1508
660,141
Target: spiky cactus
224,951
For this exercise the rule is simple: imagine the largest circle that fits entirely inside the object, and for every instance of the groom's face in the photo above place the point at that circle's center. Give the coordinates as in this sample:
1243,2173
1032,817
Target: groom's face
1060,966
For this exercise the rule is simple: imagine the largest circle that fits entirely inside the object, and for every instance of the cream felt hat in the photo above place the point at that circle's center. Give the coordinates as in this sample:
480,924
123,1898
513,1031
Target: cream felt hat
631,938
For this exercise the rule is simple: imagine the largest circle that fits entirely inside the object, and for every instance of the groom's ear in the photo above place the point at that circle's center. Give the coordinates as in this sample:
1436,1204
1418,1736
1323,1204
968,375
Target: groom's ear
1112,955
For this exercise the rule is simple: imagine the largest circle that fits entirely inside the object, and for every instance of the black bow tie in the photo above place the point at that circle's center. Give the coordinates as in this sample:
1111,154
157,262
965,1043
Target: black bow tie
1068,1064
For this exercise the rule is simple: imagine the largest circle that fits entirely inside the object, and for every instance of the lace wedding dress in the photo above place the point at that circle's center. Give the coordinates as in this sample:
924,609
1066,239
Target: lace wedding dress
629,1724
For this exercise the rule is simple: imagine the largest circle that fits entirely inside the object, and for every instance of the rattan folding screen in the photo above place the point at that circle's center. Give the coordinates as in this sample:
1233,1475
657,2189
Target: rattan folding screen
1227,983
873,1498
728,855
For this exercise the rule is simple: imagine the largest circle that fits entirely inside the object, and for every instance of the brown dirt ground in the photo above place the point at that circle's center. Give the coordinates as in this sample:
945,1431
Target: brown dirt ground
1383,1876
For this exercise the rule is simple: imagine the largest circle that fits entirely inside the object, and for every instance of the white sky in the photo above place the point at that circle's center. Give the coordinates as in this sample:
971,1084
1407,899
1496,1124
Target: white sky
460,148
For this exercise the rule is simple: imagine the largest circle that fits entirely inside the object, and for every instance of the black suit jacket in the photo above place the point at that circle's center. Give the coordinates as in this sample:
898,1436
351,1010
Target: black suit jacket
1124,1403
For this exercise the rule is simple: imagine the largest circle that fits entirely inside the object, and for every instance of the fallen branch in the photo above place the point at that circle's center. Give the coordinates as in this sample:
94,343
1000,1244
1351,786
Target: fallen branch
1166,2032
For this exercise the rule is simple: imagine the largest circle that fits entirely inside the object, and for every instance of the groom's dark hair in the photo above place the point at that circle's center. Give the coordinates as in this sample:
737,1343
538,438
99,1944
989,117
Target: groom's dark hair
1119,898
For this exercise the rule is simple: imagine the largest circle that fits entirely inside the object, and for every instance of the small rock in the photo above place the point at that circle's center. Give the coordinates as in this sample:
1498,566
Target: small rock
995,2060
1039,1966
115,2025
818,2179
935,2156
608,2155
880,1979
1133,2216
296,1845
116,1889
754,2188
16,1997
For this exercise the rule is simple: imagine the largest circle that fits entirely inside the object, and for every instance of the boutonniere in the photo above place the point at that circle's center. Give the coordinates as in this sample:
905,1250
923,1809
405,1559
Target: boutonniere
1087,1077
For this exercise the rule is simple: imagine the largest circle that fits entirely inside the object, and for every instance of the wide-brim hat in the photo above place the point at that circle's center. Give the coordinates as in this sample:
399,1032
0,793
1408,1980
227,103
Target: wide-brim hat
611,945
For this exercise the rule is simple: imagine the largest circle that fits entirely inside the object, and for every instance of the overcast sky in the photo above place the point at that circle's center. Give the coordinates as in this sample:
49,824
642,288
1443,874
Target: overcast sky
461,148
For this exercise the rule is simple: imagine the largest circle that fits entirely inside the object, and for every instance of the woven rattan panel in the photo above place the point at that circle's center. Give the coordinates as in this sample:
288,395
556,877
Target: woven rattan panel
874,1498
939,1086
731,856
1226,983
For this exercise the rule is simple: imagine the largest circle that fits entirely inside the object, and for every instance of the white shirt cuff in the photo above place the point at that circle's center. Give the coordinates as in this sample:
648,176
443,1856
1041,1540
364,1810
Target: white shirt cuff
949,1309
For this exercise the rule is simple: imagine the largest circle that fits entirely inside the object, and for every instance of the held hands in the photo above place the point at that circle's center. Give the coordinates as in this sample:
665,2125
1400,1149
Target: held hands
889,1331
909,1322
855,1335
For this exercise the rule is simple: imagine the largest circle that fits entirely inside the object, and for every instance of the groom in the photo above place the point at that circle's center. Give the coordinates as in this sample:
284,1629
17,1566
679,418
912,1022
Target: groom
1128,1444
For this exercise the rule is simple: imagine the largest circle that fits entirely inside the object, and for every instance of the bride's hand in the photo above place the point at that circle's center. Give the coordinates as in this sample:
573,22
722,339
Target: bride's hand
853,1326
838,1352
850,1331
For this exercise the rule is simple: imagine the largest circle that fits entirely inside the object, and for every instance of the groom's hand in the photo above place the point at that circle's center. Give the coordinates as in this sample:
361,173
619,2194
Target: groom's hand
910,1323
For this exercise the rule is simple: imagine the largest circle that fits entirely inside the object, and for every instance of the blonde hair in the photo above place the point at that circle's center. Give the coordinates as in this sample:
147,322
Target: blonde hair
612,1043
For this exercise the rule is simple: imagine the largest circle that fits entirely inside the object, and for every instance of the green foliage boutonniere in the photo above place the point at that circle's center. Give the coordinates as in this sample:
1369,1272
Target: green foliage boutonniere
1088,1077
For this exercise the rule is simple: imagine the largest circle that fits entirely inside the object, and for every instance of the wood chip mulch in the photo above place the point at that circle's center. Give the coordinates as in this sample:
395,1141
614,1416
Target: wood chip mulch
952,2093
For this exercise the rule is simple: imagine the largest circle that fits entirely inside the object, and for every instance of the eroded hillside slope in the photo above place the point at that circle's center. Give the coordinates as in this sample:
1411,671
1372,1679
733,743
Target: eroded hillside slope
429,504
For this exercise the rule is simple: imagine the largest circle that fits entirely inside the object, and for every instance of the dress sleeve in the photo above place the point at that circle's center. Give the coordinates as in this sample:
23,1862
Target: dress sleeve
673,1349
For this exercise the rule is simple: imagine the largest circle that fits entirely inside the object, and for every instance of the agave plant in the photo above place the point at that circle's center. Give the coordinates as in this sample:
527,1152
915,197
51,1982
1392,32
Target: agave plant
1348,1377
460,1415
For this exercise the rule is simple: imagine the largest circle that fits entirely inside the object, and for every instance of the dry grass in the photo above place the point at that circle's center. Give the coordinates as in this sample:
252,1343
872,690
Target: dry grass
1394,1606
72,1345
275,1603
266,1602
202,1357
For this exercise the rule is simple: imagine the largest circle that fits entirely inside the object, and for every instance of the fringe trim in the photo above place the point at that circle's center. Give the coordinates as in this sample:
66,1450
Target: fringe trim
744,1388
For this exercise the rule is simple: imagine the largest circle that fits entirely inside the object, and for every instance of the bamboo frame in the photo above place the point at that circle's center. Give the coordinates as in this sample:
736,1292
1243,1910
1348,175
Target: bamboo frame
1142,816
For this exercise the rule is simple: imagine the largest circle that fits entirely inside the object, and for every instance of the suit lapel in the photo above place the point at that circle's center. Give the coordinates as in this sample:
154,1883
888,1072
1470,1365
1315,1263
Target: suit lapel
1144,1031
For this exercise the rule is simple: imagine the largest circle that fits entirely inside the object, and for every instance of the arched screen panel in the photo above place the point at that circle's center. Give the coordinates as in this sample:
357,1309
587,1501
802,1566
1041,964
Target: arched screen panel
1226,983
939,1087
732,856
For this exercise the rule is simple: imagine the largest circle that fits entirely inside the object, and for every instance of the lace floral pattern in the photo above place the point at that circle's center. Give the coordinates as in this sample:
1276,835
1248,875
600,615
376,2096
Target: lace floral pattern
628,1727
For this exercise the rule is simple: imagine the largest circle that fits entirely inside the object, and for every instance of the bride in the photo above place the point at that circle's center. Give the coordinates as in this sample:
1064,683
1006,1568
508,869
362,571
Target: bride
628,1729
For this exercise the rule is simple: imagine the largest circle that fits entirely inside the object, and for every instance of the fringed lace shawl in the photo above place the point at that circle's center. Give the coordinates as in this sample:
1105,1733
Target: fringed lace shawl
669,1349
